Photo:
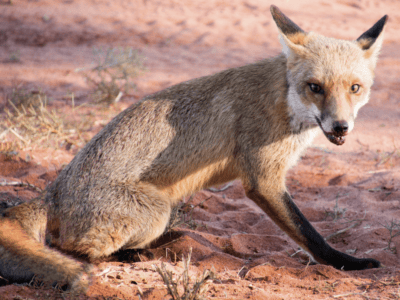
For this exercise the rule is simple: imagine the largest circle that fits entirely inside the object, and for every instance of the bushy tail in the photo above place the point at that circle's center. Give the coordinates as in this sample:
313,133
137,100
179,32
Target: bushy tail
23,253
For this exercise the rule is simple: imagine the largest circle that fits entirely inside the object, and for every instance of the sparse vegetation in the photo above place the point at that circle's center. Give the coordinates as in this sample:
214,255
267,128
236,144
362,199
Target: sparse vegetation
180,288
394,230
355,223
29,121
340,213
8,148
337,213
384,157
113,74
21,98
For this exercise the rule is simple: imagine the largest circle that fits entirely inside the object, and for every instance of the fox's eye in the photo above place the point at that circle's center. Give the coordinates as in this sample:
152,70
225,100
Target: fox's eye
315,88
355,88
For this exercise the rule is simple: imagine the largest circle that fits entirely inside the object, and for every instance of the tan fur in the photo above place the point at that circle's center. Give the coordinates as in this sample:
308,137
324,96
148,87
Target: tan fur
246,123
22,241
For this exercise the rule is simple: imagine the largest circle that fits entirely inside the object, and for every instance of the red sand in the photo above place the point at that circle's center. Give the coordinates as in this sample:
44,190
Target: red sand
252,257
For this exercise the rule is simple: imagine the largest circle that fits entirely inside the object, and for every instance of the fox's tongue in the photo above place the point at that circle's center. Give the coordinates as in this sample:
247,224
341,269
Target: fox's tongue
337,140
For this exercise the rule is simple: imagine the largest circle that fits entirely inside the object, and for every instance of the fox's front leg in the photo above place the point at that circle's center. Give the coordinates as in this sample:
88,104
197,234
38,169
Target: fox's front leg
284,212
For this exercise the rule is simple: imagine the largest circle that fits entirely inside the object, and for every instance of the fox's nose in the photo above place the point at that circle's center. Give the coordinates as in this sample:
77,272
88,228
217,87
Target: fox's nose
340,127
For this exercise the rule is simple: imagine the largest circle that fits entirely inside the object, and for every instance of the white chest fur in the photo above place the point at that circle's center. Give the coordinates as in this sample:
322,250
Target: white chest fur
301,142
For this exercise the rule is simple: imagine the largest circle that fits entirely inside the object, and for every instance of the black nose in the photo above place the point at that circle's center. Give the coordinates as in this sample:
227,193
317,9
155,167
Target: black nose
340,127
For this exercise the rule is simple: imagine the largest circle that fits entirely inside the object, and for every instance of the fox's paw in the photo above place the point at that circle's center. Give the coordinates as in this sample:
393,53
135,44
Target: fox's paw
359,264
370,263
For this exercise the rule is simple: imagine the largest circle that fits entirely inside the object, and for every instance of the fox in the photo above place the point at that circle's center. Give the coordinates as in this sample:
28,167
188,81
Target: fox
250,123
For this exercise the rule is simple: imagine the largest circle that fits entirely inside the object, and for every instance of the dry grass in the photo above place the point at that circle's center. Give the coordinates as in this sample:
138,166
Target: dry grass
31,123
22,98
113,74
180,287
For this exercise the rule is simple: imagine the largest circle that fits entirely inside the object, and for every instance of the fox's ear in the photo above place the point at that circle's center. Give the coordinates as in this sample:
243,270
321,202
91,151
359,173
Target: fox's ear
371,40
292,36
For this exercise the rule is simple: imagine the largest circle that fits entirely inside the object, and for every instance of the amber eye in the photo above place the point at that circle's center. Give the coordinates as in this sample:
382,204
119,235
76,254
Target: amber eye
355,88
315,88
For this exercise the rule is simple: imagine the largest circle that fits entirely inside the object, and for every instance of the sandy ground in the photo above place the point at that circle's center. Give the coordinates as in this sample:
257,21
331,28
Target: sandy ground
356,185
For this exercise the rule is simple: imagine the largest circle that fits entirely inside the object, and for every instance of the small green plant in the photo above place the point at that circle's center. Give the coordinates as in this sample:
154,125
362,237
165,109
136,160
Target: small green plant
394,230
112,76
182,283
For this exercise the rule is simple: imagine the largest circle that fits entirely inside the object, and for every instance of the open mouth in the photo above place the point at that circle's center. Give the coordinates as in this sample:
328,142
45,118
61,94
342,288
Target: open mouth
335,138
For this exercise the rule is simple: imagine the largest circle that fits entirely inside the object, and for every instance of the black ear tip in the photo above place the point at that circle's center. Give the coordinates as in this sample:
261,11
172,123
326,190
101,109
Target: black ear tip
274,10
374,31
382,21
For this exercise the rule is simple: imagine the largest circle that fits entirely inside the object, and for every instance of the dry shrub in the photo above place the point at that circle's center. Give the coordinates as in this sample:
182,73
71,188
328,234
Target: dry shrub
394,230
113,74
180,288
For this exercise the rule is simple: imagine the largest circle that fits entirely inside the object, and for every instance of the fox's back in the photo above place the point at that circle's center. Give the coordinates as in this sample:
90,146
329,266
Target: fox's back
179,132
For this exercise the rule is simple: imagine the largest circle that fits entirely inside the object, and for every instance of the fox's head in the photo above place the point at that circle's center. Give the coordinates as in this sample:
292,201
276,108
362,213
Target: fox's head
329,79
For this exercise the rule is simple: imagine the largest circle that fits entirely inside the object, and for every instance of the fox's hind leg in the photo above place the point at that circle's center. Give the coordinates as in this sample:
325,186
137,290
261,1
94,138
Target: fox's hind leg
131,218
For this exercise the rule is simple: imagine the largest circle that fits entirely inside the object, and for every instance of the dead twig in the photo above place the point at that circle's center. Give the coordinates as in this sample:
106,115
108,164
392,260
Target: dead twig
349,294
385,158
357,222
341,231
215,190
21,184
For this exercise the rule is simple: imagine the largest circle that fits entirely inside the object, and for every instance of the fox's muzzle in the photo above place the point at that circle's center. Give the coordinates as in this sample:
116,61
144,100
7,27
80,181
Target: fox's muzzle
338,135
